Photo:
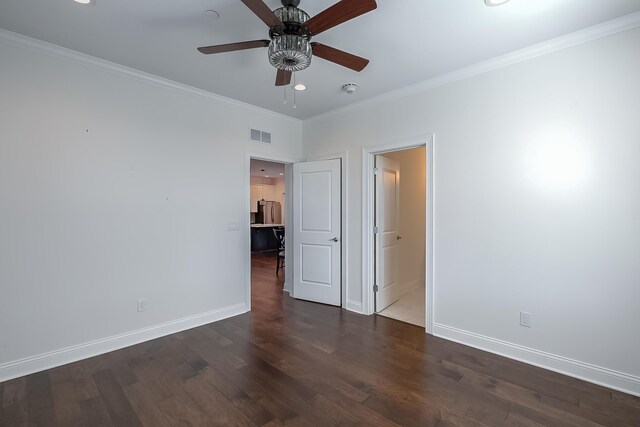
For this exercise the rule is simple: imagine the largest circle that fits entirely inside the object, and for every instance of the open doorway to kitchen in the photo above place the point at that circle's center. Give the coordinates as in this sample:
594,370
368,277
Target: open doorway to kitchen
268,219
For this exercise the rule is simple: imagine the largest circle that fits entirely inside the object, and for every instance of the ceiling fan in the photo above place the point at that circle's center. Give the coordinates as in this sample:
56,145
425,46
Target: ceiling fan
290,32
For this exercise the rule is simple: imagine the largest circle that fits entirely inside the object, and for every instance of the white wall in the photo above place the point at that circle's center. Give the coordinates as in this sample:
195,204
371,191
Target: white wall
412,217
537,203
280,193
109,192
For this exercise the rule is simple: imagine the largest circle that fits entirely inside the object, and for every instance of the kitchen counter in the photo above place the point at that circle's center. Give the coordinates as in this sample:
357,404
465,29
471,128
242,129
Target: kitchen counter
263,237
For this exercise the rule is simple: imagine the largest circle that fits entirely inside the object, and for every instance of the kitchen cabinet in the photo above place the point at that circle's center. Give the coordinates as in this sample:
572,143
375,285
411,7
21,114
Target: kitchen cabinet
261,191
263,239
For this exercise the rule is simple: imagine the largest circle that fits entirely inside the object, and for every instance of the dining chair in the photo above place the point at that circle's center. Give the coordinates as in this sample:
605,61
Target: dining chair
279,233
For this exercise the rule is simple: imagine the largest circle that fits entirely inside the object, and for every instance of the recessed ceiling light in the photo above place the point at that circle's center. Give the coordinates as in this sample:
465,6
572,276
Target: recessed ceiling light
299,86
85,2
495,2
281,174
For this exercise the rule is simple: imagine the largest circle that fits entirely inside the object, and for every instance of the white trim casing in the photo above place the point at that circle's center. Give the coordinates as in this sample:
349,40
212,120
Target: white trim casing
430,236
564,365
428,141
604,29
270,157
354,306
52,359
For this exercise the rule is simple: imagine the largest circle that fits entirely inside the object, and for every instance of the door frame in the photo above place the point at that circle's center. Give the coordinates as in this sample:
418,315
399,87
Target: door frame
344,233
246,223
368,262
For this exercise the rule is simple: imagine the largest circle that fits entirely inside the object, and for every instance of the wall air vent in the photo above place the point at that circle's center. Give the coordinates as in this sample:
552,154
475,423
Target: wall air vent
260,136
266,137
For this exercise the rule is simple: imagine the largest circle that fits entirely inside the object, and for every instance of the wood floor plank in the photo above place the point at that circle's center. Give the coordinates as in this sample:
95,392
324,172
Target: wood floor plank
14,403
121,369
66,399
181,411
296,363
146,409
40,400
83,381
95,412
220,410
240,400
116,402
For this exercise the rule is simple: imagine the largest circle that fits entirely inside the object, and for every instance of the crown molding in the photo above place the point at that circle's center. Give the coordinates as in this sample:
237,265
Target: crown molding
607,28
42,47
595,32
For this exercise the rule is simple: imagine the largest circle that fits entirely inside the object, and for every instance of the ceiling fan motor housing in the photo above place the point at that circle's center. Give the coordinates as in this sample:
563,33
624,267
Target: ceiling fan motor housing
289,49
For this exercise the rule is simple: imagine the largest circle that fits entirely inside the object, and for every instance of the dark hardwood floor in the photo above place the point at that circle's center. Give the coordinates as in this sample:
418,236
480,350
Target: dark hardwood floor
297,363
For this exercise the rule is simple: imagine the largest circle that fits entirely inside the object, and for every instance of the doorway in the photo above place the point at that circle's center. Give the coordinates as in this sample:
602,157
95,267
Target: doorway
388,239
400,235
307,195
269,219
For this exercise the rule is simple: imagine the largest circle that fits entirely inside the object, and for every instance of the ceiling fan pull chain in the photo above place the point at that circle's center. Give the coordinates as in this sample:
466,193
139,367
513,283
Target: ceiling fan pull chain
294,91
284,90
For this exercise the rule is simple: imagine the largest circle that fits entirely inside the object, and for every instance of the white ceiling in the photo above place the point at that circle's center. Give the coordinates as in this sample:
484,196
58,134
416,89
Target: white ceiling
263,168
407,41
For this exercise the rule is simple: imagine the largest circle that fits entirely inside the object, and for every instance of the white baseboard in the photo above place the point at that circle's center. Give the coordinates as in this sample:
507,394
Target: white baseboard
354,306
407,287
41,362
585,371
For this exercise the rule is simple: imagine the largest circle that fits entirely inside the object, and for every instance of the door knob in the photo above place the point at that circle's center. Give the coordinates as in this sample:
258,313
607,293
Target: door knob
398,237
335,239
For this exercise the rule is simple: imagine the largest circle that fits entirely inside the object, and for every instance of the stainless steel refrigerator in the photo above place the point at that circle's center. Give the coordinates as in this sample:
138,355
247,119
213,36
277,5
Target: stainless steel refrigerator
269,212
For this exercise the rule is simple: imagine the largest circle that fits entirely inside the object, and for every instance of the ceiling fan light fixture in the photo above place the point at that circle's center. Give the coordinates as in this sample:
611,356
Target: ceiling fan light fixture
85,2
291,15
495,2
290,52
300,87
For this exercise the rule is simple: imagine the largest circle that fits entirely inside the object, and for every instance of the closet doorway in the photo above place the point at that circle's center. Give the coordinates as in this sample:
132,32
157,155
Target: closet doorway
400,235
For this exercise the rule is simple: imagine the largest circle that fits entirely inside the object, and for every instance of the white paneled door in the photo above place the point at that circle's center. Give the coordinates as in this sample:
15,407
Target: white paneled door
317,240
387,237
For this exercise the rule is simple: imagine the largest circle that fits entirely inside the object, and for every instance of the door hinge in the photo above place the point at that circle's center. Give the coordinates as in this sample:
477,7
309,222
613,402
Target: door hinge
375,171
375,230
375,288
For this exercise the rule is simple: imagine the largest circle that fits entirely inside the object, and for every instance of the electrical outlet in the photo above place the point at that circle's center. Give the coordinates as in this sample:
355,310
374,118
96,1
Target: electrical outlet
525,319
142,304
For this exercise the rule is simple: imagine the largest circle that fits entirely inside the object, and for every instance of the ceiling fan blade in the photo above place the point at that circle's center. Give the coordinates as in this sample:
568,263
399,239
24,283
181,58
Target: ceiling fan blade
340,12
340,57
208,50
283,78
263,12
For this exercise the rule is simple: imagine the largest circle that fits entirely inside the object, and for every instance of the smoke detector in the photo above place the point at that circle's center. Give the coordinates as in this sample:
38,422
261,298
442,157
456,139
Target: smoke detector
350,88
